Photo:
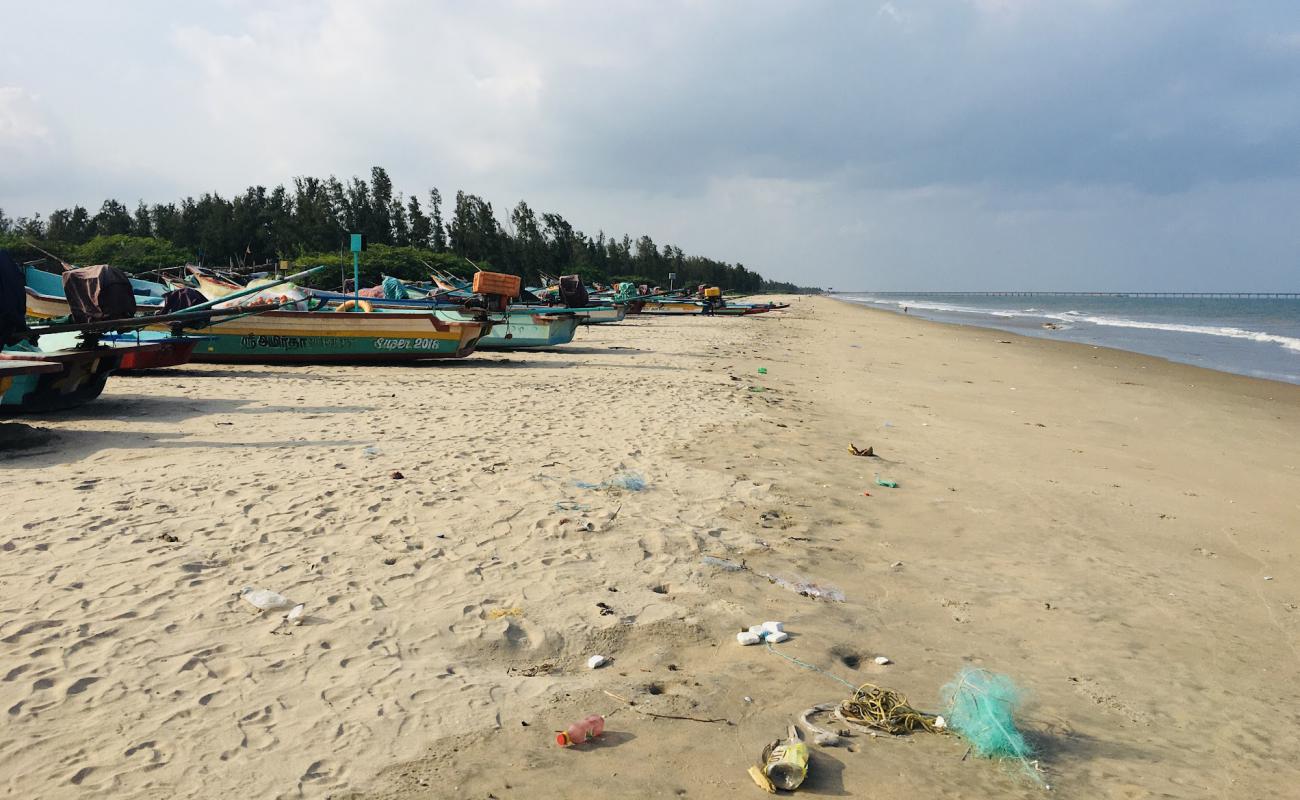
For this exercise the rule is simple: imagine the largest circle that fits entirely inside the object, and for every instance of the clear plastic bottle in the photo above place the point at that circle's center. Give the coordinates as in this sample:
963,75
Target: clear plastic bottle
581,731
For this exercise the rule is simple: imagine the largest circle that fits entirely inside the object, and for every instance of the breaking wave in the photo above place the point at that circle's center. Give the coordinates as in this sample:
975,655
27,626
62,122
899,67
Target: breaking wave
1075,317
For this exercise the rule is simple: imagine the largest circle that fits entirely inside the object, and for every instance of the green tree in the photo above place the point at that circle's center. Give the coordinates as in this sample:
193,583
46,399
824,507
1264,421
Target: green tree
112,219
397,222
309,220
438,236
316,223
474,231
379,227
58,229
529,245
141,225
421,226
166,221
647,256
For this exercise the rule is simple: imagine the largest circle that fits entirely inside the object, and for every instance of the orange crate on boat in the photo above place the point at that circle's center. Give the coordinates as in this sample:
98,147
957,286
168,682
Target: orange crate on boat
497,283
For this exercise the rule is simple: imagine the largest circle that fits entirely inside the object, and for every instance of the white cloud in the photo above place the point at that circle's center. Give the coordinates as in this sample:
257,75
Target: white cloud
22,126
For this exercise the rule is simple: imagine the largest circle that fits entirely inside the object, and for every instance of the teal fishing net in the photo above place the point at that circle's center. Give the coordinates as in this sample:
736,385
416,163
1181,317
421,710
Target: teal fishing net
394,289
980,707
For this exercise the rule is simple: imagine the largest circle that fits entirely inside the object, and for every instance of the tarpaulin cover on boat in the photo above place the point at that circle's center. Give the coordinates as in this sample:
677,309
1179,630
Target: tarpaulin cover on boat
13,300
572,293
99,293
181,299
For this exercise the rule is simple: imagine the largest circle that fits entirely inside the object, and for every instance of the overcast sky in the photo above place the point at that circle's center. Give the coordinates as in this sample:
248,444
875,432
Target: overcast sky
948,144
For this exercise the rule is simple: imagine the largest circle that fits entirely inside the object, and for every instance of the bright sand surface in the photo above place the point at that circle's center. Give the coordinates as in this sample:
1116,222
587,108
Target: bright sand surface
1115,533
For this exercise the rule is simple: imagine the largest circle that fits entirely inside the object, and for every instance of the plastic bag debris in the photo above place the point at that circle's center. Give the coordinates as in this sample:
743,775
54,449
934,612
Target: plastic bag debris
723,564
627,481
807,588
265,599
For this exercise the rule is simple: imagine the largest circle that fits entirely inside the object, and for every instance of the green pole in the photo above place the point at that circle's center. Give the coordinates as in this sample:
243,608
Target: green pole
356,281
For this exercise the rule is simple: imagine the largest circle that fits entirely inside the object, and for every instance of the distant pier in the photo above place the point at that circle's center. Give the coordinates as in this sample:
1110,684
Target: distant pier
1214,295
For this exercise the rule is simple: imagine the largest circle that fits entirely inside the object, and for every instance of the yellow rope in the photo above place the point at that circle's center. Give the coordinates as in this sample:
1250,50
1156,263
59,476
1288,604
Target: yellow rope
885,710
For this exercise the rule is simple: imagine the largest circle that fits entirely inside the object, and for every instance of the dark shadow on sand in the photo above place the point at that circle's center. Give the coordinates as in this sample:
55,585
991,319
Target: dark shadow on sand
72,445
166,408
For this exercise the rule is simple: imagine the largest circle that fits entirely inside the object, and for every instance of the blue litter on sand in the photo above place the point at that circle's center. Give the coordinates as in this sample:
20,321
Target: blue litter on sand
627,481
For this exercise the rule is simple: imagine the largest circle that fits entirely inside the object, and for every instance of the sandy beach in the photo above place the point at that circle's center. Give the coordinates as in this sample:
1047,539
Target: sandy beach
1116,533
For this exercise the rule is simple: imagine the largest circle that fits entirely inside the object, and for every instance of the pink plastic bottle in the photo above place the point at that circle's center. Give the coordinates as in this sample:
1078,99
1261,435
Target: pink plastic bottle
579,732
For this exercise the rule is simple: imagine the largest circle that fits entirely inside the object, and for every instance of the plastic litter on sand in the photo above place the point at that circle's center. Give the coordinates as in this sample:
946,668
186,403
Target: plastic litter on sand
597,661
807,588
627,481
265,599
723,564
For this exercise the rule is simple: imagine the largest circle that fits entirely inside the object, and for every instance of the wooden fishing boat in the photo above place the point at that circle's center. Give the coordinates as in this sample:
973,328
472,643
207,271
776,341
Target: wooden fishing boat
19,368
46,301
300,336
671,307
79,378
165,350
521,331
516,328
602,313
308,337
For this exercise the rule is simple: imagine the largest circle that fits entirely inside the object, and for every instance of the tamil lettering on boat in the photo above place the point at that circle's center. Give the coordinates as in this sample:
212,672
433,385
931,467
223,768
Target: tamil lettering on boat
252,342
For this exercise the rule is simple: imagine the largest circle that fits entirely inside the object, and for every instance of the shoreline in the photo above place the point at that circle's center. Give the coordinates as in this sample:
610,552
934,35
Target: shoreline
1210,373
1096,524
1063,335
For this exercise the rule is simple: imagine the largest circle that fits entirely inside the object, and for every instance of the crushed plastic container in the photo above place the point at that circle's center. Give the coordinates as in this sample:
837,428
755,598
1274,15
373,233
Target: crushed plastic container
581,731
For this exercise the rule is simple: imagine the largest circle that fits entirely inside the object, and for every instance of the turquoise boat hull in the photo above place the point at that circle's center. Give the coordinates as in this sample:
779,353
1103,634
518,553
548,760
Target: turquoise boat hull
81,379
535,330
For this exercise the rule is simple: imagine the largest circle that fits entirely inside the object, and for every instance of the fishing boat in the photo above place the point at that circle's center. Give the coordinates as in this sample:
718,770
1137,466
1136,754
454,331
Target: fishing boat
13,368
46,300
78,377
165,350
297,336
683,307
516,328
309,337
608,311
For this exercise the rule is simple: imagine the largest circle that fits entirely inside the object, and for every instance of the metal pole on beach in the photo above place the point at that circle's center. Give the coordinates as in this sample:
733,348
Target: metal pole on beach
358,244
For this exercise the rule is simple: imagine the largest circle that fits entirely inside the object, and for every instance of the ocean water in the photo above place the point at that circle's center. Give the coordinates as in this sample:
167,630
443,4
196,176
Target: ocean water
1249,336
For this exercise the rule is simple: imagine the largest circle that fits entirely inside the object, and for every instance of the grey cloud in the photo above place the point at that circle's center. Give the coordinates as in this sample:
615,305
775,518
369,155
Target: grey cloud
1142,142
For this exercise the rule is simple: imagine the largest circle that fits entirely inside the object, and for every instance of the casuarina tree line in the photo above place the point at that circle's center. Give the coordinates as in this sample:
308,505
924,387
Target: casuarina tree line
308,223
